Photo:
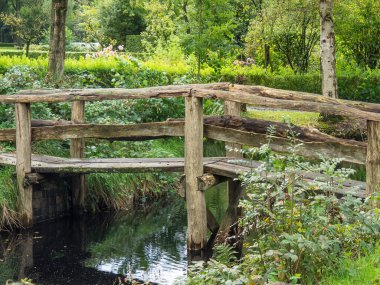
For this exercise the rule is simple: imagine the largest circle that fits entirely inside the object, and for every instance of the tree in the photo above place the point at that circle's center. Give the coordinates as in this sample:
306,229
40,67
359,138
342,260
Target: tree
358,30
57,40
211,23
288,27
30,23
120,18
160,24
328,59
91,26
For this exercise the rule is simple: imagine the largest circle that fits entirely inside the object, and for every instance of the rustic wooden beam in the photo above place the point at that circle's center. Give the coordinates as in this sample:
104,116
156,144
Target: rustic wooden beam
195,200
303,96
212,223
233,109
145,131
33,178
208,180
229,226
252,132
326,108
373,158
77,151
100,94
24,162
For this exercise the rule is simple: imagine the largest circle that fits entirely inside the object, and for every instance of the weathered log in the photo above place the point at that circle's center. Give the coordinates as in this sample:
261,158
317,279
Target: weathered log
196,201
303,96
49,123
373,158
145,131
207,180
100,94
253,132
233,109
229,224
33,178
24,162
326,108
77,151
212,223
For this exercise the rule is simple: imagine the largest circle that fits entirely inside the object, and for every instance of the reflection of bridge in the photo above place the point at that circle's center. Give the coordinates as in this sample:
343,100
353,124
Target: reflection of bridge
200,173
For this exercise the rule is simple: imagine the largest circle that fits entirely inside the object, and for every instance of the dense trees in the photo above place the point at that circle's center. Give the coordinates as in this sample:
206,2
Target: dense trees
273,33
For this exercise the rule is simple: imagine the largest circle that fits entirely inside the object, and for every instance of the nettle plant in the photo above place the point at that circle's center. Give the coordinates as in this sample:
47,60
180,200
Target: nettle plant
296,227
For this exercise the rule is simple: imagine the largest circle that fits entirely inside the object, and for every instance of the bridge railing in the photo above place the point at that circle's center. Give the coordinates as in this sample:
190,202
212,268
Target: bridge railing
231,128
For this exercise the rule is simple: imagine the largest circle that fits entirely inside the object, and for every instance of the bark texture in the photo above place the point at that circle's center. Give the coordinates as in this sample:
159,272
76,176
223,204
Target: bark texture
328,60
57,39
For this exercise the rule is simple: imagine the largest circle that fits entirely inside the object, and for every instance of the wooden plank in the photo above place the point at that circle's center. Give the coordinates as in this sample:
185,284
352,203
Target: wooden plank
373,157
23,162
355,152
100,94
303,96
326,108
195,199
145,131
77,151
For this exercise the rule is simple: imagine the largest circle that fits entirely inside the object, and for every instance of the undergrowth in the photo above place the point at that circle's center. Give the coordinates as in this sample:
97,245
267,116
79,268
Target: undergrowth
295,229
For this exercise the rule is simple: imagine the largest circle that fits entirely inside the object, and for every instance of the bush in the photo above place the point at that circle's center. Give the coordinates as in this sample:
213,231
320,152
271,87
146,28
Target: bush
296,230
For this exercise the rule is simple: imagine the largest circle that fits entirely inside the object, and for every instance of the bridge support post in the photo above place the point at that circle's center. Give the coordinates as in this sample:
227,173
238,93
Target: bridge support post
373,158
24,162
195,199
77,151
228,225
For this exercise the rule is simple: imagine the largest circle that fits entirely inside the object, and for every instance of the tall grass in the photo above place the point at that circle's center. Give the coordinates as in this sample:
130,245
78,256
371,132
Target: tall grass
8,198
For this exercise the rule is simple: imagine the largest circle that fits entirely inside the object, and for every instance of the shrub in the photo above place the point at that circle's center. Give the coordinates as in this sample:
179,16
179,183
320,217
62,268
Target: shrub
296,230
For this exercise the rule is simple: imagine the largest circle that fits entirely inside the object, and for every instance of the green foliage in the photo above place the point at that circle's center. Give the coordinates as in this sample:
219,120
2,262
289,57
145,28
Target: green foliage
120,18
296,231
133,43
365,270
290,28
358,30
30,22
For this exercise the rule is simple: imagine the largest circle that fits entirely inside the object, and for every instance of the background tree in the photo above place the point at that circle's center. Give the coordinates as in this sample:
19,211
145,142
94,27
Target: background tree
30,23
90,24
57,40
120,18
328,49
358,30
291,28
211,23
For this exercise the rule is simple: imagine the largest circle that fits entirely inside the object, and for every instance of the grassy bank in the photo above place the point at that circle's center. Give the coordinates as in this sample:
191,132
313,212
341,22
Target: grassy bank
363,271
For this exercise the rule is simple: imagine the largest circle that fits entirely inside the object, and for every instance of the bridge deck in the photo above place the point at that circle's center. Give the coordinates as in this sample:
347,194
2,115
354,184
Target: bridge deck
221,166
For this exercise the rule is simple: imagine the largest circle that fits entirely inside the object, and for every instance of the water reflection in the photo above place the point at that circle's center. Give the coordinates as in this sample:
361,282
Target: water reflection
147,245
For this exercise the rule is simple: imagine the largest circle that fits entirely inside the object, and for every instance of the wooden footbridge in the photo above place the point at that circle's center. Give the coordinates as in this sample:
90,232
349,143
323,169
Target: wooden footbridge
199,172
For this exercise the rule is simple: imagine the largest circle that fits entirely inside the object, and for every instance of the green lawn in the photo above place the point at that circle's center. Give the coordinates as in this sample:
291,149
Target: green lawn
296,117
364,271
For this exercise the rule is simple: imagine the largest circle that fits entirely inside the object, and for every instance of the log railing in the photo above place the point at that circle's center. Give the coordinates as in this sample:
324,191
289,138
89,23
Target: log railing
230,128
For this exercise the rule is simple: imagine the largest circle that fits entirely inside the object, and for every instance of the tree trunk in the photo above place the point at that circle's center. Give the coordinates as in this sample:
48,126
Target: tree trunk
57,40
267,55
328,60
27,49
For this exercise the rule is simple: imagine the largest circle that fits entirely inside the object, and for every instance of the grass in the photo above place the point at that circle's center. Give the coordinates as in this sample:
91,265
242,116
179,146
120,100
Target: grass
298,118
363,271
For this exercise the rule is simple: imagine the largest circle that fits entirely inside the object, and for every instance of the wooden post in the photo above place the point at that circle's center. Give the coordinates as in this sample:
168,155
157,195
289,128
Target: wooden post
195,199
24,162
233,109
228,224
77,151
373,157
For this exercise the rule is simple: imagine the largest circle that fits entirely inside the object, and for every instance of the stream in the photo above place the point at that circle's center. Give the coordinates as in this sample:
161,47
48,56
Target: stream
146,245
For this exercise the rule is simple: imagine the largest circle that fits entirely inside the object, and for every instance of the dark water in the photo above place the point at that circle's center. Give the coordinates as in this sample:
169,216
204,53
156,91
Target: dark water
148,245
